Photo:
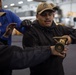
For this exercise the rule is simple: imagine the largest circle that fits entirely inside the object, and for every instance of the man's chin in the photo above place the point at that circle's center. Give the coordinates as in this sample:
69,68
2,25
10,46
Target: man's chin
48,25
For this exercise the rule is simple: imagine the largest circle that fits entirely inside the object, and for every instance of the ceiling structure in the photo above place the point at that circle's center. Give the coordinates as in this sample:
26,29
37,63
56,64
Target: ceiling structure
25,2
24,8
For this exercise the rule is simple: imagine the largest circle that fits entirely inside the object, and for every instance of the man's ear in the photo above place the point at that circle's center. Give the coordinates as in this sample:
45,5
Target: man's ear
54,15
36,16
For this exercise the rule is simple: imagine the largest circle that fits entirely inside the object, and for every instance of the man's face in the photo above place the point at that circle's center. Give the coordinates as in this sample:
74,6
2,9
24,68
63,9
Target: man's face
45,18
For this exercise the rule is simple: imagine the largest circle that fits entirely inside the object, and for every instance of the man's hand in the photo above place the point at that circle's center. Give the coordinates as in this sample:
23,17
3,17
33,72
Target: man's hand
62,54
9,29
11,26
26,23
69,40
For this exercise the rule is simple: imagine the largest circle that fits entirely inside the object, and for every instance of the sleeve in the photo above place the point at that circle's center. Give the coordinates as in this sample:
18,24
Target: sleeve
69,31
16,19
13,57
30,39
29,57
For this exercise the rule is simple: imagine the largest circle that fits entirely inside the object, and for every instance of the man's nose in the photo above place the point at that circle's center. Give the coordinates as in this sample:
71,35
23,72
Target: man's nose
47,15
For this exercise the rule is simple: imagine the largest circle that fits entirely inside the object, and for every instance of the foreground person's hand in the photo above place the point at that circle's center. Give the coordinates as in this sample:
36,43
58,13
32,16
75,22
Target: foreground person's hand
62,54
69,40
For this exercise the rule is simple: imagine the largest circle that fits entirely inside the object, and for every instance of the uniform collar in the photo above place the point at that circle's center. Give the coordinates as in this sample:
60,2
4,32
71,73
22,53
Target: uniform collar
36,24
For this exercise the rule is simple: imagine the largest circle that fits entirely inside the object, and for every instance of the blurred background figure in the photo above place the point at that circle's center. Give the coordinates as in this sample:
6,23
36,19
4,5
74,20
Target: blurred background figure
9,21
58,14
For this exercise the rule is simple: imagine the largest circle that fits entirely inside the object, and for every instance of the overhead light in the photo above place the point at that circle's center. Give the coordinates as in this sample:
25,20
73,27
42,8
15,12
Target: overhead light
29,0
40,0
12,4
5,6
20,2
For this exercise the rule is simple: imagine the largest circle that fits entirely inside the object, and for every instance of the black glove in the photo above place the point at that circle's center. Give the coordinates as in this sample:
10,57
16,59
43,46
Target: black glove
26,23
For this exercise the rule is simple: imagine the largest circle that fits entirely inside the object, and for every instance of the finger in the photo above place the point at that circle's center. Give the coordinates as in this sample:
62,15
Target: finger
65,50
62,55
67,42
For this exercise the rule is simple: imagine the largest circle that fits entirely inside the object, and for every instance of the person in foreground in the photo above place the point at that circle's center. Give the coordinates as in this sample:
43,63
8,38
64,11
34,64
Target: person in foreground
14,57
41,34
8,18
